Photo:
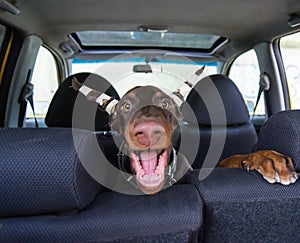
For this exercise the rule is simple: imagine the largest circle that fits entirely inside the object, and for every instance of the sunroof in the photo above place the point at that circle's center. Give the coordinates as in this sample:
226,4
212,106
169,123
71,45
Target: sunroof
92,39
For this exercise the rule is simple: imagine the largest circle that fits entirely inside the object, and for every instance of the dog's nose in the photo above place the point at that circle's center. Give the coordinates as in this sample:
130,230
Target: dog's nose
149,134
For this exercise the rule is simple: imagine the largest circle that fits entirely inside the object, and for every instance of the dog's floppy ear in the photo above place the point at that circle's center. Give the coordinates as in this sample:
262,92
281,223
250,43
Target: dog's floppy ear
76,85
106,102
176,114
90,94
185,88
113,118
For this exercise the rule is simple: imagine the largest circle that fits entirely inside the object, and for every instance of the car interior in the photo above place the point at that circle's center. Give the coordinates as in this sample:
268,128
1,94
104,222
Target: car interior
236,66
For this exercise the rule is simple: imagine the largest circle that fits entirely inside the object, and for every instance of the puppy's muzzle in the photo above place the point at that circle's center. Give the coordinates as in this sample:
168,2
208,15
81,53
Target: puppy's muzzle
149,134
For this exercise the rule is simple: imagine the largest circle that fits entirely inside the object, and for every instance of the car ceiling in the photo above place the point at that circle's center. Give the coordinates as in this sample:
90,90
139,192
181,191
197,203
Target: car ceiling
243,22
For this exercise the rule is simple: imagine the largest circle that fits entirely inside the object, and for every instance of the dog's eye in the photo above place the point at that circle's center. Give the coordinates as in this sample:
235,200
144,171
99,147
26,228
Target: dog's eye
126,107
165,104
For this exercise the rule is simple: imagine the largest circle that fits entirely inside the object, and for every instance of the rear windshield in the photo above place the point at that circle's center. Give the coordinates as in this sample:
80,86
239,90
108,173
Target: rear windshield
126,73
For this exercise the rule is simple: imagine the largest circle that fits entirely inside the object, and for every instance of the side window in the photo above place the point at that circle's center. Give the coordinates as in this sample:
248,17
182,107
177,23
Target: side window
290,51
245,73
45,81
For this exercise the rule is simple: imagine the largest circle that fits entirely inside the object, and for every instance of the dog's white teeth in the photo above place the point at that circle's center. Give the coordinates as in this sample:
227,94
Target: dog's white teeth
134,156
138,167
140,173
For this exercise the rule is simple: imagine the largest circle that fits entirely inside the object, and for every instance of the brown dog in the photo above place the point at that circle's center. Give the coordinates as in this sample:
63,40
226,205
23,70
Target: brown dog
146,117
273,166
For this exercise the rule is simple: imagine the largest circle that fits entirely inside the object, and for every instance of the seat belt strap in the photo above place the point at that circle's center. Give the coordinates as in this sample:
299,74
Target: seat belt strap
264,85
29,99
26,96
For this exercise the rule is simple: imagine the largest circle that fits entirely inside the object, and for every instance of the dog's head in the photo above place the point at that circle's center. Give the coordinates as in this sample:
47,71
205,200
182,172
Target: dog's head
146,117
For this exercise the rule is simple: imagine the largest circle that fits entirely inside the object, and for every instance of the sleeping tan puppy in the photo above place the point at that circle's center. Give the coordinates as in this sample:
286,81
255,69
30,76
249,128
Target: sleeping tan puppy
273,166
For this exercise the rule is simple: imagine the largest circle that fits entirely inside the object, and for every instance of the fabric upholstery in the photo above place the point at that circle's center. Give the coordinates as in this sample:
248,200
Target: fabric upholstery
241,206
60,111
41,173
206,90
281,132
204,103
47,196
173,215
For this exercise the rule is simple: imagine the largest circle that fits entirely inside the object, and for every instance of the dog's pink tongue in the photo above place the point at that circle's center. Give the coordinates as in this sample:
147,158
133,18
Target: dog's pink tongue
149,161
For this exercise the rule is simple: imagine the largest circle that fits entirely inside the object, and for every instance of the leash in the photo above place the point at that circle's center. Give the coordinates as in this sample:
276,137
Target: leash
123,162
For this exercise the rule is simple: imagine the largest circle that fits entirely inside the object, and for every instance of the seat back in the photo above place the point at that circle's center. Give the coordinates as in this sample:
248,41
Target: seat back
232,195
47,195
281,132
41,172
220,126
60,112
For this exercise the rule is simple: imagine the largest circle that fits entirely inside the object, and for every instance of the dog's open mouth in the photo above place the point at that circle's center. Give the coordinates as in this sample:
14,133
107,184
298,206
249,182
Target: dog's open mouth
148,141
149,167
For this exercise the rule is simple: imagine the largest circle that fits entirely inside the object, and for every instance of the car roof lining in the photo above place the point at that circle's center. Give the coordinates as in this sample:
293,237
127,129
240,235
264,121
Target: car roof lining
228,18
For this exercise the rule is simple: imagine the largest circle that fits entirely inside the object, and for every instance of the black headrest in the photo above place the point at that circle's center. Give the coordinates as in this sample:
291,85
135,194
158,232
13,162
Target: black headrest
281,132
41,172
61,108
209,95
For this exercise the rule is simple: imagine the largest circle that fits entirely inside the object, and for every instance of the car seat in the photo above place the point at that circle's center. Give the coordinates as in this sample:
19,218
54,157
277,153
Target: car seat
241,205
215,123
281,132
47,195
60,112
88,115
